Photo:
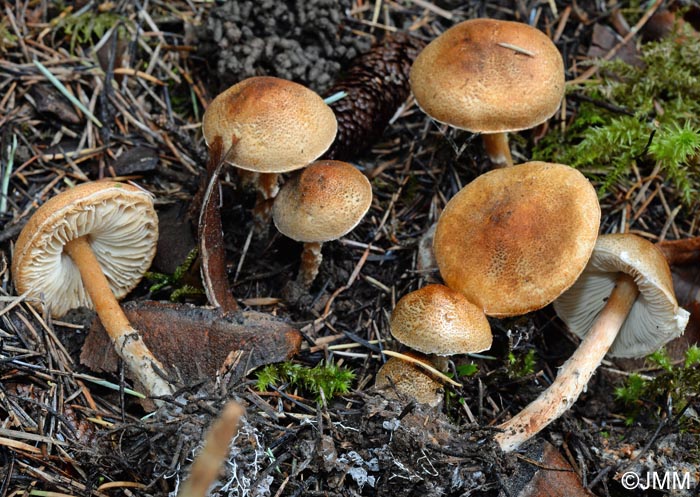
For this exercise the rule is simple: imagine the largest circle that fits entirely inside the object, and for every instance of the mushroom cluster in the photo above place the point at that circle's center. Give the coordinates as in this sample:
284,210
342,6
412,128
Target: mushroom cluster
270,126
510,242
267,126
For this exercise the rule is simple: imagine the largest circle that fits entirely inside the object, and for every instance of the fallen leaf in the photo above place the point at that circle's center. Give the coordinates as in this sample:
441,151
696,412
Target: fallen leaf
543,472
193,342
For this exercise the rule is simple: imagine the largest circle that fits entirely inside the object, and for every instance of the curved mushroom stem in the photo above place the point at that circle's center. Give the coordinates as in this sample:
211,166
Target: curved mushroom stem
311,258
498,149
575,373
127,342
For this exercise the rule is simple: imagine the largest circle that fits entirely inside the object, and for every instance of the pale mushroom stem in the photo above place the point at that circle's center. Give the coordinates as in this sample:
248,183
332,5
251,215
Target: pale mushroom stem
497,149
311,258
207,465
575,373
127,341
268,186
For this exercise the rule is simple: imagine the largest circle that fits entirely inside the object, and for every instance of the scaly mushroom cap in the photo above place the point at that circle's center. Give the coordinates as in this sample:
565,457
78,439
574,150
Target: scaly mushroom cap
276,125
437,320
514,239
655,318
407,380
471,78
122,227
323,202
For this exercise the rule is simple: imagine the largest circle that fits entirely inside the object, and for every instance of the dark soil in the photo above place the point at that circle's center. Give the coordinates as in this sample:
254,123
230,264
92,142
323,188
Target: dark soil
61,432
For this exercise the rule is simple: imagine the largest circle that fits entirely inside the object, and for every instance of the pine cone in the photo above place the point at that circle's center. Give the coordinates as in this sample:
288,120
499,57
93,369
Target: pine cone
376,85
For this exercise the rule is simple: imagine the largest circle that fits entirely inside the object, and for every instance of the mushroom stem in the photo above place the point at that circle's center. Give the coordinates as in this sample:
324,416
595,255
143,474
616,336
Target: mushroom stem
128,343
497,148
311,258
575,373
268,187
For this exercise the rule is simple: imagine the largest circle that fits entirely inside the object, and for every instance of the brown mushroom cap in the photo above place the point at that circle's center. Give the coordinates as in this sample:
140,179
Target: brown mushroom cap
514,239
323,202
470,78
402,378
277,125
121,225
437,320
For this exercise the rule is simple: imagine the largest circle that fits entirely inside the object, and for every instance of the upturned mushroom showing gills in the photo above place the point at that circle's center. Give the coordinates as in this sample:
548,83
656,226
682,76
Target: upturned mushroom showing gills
437,320
623,304
325,201
90,246
491,77
514,239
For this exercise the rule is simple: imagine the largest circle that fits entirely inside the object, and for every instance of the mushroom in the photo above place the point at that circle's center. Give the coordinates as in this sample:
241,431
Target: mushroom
491,77
325,201
514,239
268,126
623,304
399,378
437,320
90,246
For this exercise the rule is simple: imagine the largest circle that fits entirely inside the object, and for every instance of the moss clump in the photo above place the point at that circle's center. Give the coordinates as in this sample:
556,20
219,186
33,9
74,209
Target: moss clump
328,378
675,389
642,116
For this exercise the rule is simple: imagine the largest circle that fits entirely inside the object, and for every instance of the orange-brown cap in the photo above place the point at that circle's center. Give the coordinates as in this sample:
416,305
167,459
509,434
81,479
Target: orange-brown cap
323,202
489,76
276,125
121,225
437,320
514,239
399,378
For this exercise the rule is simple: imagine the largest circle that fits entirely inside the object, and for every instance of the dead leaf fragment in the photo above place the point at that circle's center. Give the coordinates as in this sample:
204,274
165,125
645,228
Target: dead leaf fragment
193,342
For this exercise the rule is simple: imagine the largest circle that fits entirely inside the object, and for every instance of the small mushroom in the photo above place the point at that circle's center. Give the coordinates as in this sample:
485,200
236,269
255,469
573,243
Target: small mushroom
268,126
492,77
514,239
622,304
399,378
437,320
90,246
325,201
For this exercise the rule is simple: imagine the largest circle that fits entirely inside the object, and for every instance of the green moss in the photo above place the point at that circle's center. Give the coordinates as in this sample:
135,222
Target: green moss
328,378
642,116
176,281
676,386
89,27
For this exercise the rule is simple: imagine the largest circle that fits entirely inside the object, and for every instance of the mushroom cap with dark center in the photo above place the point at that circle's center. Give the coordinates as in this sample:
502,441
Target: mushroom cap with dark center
655,317
472,78
274,125
437,320
121,226
514,239
323,202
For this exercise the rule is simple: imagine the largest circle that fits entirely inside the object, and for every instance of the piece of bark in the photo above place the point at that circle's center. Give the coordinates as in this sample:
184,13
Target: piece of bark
136,160
543,472
48,100
193,342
